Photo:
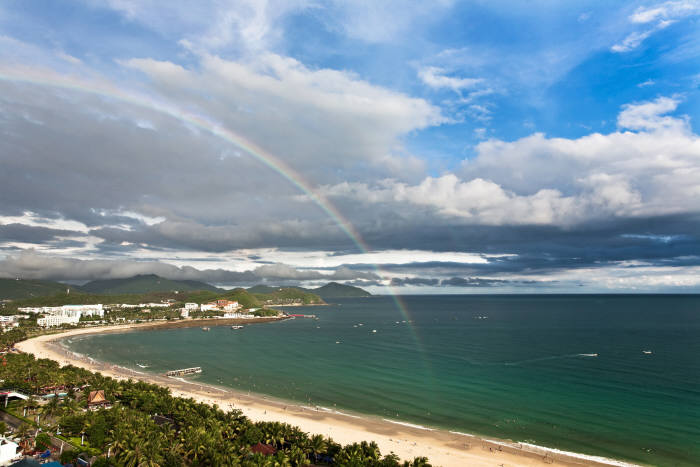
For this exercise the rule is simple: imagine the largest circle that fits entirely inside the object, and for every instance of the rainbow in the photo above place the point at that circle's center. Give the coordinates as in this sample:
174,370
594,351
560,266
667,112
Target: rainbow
52,79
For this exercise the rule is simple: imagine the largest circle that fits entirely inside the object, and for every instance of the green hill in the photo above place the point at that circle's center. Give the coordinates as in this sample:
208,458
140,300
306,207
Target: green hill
144,284
264,289
335,290
13,289
287,296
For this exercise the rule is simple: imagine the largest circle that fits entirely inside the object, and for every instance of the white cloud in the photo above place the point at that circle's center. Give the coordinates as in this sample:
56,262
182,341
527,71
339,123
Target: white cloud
662,15
651,116
653,170
436,78
665,11
300,114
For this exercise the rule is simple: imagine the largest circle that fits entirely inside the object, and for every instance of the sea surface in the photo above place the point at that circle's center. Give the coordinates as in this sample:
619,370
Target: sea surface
564,371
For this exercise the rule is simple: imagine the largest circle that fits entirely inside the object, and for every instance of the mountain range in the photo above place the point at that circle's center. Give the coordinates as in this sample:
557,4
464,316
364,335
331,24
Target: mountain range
17,289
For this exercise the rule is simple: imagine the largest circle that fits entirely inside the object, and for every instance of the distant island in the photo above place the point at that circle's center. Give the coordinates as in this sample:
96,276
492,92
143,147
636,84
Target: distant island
329,291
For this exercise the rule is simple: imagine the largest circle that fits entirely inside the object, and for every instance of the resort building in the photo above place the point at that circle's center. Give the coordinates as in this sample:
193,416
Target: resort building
85,310
57,320
8,325
184,312
97,400
8,451
191,306
230,306
67,310
237,315
12,318
209,306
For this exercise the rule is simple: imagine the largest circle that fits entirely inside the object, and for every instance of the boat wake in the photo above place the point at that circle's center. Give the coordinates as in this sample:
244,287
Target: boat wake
552,357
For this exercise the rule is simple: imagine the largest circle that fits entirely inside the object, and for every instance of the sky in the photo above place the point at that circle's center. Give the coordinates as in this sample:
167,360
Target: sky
404,147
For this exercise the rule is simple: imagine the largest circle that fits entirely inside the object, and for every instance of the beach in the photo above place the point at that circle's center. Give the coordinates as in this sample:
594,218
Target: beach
407,441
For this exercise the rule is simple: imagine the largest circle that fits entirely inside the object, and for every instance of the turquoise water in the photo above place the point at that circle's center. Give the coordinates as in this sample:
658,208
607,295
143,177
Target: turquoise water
523,371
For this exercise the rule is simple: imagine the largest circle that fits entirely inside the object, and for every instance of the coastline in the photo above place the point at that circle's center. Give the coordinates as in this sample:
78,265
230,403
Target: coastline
442,447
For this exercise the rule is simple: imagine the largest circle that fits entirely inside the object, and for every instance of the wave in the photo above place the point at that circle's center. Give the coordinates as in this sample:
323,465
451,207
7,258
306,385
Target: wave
410,425
334,411
601,459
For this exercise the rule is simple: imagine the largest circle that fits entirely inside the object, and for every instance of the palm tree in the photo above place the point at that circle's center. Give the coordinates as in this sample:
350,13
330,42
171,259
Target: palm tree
318,445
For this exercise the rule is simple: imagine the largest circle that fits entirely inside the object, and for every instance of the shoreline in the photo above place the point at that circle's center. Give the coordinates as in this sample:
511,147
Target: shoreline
407,440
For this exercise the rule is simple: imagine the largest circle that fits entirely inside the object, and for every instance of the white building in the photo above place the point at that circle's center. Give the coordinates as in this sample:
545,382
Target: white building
191,306
67,310
85,310
12,318
231,306
208,306
41,309
184,312
57,320
8,451
7,326
237,315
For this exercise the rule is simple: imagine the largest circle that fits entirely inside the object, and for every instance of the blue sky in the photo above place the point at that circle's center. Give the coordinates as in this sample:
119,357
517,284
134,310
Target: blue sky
508,110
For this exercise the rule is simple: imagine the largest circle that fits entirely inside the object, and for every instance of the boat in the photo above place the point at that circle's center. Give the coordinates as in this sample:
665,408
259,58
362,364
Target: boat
647,352
374,330
141,366
236,327
205,329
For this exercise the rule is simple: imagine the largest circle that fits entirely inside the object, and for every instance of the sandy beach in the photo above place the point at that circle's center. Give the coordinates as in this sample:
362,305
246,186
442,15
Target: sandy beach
441,447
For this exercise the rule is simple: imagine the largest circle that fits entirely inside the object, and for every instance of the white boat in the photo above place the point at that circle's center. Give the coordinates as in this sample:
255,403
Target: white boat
374,330
236,327
647,352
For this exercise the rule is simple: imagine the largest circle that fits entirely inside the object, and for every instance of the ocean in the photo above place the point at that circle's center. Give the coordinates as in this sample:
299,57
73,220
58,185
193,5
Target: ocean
608,375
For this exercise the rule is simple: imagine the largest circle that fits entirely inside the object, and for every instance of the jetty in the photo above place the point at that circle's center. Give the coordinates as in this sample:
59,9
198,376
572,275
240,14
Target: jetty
184,371
303,316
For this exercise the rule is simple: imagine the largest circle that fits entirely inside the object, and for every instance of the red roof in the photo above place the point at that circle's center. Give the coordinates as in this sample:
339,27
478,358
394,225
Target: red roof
264,449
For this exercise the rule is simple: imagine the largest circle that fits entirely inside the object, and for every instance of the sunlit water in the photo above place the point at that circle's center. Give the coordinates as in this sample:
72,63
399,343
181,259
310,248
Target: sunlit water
562,371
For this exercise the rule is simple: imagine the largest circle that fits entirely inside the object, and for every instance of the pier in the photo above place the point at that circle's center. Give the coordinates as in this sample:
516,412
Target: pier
184,371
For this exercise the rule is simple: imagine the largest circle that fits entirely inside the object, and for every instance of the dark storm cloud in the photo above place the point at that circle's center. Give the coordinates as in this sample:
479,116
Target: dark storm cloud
31,234
76,157
401,281
480,282
31,265
456,282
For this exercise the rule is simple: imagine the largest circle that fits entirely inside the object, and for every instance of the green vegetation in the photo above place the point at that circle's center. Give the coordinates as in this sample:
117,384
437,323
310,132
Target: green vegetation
335,290
289,296
12,289
143,284
185,432
327,292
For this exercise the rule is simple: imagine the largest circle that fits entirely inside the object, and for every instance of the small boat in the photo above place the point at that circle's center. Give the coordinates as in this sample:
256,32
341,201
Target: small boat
588,354
205,329
647,352
374,330
141,366
236,327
